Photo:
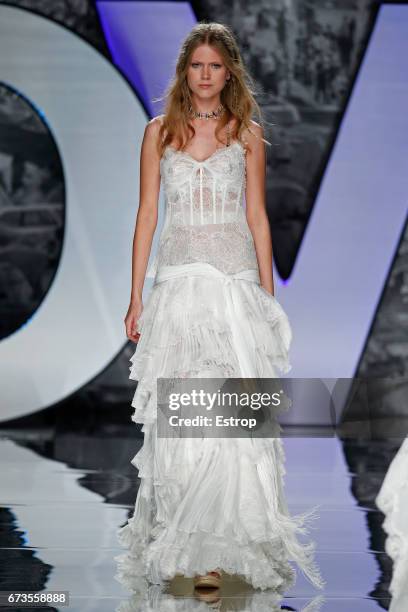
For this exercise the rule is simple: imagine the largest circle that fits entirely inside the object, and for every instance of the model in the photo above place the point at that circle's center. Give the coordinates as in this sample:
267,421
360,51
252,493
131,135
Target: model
208,506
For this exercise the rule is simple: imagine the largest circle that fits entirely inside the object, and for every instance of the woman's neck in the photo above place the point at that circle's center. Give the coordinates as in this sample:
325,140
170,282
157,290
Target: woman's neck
206,106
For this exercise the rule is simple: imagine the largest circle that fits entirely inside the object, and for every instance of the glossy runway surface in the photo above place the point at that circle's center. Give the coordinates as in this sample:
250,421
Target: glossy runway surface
63,496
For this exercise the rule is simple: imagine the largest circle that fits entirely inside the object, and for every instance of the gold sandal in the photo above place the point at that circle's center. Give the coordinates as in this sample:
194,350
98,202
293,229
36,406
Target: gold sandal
212,580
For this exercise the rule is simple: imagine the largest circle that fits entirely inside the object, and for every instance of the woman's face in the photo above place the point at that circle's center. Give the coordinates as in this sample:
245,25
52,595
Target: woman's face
206,66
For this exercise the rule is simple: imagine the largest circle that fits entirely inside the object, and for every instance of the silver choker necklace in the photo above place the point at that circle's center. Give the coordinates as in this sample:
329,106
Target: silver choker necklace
213,114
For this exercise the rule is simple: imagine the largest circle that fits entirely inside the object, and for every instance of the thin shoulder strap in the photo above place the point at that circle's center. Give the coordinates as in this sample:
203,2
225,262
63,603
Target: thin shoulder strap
228,134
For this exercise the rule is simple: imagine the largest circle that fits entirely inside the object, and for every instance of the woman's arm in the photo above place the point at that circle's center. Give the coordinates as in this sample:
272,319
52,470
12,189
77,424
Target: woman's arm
256,206
146,222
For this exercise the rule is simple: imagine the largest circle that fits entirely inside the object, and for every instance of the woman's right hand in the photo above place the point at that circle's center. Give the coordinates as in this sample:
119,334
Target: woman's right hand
132,316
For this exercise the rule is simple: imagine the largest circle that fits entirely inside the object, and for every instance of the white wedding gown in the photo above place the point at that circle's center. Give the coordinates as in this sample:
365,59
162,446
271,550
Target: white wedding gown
392,500
209,503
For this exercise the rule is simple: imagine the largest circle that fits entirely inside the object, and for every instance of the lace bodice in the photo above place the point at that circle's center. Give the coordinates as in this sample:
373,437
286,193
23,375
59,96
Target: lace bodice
205,219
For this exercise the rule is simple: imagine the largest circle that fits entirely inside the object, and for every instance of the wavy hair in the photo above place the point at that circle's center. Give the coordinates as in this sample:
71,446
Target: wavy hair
237,96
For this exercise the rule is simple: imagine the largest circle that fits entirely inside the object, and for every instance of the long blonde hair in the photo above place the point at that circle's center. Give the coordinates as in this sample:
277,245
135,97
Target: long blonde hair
237,96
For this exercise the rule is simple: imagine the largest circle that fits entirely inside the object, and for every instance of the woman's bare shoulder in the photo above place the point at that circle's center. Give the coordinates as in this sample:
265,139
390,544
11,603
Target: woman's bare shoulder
254,133
158,120
153,127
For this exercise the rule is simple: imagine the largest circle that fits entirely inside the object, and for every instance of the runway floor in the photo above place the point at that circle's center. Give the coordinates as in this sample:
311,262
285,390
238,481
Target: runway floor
63,497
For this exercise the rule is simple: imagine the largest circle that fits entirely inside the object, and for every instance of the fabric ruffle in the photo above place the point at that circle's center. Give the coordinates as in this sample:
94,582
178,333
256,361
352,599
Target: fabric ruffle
185,334
392,500
206,503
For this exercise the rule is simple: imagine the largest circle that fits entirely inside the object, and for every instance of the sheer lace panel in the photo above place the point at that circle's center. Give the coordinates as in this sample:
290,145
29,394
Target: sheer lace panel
205,220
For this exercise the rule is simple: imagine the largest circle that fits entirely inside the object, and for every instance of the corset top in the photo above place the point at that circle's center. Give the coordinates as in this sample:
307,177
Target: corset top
205,220
203,192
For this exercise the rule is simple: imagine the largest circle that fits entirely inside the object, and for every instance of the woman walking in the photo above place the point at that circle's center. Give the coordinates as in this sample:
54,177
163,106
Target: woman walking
207,506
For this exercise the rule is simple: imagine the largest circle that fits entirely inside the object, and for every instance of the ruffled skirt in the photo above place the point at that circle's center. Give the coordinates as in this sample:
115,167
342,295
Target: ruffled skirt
210,502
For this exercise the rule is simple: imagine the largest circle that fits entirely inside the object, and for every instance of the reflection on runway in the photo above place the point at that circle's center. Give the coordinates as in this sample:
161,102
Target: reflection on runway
231,596
65,494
